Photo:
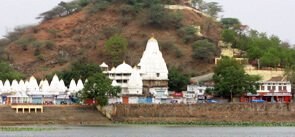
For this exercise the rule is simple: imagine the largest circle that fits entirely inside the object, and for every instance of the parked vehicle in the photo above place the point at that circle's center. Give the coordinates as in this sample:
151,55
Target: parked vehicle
258,101
212,101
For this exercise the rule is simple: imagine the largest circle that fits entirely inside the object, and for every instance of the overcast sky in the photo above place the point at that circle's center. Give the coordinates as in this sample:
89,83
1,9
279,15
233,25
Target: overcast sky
271,16
22,12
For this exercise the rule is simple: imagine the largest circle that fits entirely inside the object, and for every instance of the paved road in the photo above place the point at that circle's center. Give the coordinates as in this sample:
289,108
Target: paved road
205,77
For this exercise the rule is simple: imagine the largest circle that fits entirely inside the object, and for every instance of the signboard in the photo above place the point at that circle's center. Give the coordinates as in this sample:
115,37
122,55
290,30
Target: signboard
177,94
201,97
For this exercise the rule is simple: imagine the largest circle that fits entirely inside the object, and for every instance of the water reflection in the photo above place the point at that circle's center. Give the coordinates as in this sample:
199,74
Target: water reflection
152,131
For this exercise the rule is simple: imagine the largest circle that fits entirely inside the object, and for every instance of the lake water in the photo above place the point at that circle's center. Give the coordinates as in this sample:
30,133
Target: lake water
154,131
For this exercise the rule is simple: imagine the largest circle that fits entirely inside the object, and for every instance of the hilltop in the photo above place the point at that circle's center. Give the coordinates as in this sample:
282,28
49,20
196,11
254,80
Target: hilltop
56,43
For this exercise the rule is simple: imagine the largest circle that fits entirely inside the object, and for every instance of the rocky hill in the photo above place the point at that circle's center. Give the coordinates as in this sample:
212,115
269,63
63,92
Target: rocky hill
55,43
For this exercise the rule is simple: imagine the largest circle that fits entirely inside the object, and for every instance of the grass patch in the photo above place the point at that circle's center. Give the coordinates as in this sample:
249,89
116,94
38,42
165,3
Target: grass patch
12,129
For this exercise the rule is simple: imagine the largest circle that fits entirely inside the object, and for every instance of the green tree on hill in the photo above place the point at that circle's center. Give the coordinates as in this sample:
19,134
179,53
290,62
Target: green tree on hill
116,47
231,80
229,36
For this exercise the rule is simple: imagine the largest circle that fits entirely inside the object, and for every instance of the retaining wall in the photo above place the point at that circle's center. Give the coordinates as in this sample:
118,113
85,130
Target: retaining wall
241,112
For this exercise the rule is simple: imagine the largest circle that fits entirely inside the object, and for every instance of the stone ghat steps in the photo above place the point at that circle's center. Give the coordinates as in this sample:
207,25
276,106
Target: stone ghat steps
54,114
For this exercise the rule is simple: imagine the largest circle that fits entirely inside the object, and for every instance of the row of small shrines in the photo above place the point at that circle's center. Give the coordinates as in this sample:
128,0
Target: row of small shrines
31,87
29,91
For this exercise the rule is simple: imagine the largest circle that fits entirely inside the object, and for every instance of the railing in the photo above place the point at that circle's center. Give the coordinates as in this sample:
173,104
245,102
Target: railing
28,107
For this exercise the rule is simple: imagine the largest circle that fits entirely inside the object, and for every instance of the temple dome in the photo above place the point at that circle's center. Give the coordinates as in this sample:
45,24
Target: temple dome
135,83
80,85
55,85
45,88
113,70
33,85
103,65
123,68
73,86
15,86
1,86
27,84
135,80
6,87
41,82
22,87
62,85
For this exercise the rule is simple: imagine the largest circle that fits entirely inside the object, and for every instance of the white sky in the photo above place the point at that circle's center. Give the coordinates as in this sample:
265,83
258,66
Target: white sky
271,16
22,12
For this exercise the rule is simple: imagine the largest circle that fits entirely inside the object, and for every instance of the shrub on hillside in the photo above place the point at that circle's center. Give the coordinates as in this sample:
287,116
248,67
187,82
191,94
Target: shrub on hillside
173,19
83,3
99,6
204,50
25,42
170,47
17,32
156,15
37,44
54,32
40,57
110,31
4,42
187,33
49,44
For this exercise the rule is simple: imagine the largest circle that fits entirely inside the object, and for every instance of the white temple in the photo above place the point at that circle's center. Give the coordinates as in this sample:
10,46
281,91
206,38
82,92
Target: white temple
149,77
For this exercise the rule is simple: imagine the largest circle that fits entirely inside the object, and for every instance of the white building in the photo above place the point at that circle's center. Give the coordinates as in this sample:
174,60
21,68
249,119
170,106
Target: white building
148,78
277,89
196,93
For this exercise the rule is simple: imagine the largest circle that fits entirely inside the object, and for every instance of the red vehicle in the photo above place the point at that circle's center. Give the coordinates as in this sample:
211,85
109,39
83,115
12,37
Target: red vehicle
90,101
